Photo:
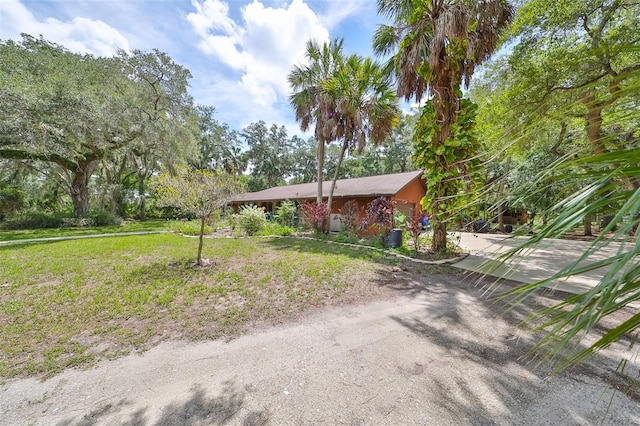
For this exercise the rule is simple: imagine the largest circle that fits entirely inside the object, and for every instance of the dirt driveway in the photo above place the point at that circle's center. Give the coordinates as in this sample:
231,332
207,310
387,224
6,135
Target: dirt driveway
429,350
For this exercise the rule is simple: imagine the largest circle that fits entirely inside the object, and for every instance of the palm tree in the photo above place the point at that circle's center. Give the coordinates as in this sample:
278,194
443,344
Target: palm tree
310,100
435,46
365,107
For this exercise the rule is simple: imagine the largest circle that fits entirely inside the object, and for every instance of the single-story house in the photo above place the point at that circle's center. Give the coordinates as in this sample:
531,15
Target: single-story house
406,189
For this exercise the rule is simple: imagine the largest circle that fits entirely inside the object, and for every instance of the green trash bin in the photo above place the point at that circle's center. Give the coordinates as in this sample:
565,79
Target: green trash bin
395,239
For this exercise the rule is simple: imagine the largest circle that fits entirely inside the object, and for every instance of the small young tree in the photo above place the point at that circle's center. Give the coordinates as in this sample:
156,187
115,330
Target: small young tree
350,214
198,192
414,227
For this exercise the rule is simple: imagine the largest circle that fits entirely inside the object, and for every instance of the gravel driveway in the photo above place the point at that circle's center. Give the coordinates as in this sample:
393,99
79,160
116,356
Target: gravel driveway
429,350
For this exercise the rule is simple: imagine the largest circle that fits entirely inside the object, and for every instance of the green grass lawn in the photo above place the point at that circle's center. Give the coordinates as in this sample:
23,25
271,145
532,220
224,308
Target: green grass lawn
127,226
69,303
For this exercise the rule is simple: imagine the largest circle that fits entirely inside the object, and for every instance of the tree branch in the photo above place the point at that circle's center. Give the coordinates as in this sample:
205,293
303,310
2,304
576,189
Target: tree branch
21,154
563,132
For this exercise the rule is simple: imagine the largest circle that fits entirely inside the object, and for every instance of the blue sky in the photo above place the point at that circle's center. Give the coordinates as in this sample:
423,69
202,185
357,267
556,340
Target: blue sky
238,51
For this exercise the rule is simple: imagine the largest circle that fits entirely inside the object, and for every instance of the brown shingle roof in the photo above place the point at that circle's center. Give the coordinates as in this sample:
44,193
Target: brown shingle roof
372,186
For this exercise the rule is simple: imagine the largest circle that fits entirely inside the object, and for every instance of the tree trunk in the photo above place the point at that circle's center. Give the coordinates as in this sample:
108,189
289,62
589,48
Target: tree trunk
143,200
199,261
594,125
320,171
439,236
446,105
335,175
80,187
587,225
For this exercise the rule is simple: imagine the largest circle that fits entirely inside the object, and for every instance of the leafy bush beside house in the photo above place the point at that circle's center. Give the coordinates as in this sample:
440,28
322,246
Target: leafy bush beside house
250,219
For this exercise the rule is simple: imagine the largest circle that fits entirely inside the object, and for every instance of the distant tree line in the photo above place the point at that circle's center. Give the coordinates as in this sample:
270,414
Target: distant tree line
80,133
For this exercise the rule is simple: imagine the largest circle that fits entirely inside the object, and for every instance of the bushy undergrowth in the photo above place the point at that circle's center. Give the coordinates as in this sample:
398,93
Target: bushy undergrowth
42,220
189,227
346,237
34,220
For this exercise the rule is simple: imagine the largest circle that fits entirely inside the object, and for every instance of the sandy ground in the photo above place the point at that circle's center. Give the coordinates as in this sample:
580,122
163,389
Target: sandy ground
432,350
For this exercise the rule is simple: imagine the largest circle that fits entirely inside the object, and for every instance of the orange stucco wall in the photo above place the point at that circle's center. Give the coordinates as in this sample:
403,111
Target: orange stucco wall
411,193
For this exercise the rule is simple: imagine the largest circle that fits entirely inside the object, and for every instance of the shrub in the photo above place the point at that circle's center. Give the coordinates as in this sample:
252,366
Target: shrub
351,213
189,228
250,219
315,216
345,237
103,218
275,229
34,220
286,213
77,222
379,216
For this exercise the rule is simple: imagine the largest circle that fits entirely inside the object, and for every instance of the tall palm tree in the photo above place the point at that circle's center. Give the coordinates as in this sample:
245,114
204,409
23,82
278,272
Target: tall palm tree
310,100
365,107
435,46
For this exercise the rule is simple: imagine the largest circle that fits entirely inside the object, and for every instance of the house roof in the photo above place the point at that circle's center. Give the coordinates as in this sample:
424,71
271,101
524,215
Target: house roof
371,186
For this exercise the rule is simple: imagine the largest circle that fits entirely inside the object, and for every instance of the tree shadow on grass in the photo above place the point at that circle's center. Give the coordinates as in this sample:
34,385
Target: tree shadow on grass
198,409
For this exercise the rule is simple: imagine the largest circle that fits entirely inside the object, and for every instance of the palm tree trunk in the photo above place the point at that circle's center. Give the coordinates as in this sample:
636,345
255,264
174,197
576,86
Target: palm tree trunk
320,171
501,205
446,104
335,175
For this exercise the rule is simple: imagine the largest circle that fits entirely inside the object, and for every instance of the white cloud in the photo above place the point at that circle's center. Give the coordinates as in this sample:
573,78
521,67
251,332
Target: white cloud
339,11
263,47
79,35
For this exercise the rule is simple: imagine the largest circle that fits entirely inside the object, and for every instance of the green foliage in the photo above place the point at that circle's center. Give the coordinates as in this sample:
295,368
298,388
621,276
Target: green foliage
432,57
129,113
102,218
563,100
220,147
250,219
34,220
275,229
286,213
41,220
345,237
188,227
568,322
199,192
269,153
450,165
127,226
11,201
